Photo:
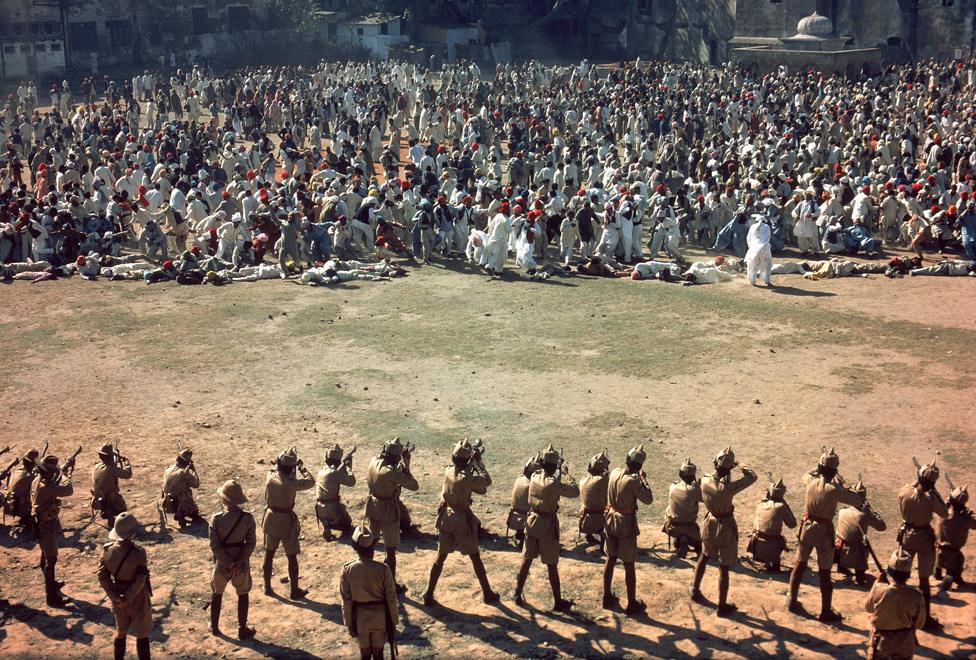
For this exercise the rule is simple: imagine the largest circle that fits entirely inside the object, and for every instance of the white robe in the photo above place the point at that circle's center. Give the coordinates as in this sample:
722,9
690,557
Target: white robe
759,257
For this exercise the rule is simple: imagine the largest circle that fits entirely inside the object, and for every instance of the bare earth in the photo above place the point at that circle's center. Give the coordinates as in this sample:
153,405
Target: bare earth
881,369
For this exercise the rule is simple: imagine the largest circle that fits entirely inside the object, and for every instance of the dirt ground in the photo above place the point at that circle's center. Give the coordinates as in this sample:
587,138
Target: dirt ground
878,368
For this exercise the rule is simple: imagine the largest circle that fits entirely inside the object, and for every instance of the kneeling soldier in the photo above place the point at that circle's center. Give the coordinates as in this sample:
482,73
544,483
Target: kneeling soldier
106,498
179,480
853,524
329,509
681,516
593,498
369,600
520,499
953,532
626,487
123,573
232,541
767,543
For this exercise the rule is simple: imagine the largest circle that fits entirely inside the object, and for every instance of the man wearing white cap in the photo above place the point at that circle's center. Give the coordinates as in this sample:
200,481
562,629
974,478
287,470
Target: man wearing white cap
232,541
369,601
123,572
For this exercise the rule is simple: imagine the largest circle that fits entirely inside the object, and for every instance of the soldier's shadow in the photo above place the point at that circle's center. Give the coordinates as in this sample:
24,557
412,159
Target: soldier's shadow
269,649
60,627
328,612
22,539
417,540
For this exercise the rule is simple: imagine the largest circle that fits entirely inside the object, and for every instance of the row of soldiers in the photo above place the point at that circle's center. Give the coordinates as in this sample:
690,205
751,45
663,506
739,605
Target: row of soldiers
609,505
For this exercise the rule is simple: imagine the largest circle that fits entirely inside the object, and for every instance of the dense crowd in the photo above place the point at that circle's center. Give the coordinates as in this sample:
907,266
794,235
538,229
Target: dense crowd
334,172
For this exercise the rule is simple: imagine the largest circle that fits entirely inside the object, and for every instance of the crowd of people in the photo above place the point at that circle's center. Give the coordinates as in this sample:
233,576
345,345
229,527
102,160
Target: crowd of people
338,171
609,502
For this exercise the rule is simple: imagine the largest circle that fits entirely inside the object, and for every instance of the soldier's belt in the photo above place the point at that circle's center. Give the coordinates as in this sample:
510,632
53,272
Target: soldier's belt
723,516
591,512
894,631
543,513
236,544
391,498
825,521
460,508
917,528
623,512
278,509
765,536
369,603
331,501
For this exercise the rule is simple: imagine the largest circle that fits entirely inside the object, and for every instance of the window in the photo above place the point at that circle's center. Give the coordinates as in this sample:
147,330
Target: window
83,36
201,20
119,32
25,48
55,46
238,17
384,28
40,48
10,50
333,30
359,32
645,6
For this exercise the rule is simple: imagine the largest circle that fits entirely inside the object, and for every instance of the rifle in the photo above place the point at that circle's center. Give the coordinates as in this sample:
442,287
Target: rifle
874,556
7,470
4,450
347,459
948,479
68,467
191,466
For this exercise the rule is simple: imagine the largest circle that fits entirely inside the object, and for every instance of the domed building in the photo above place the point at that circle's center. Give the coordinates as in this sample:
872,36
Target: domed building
814,32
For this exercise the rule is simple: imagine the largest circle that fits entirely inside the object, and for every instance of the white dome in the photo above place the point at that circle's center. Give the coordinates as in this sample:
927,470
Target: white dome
815,25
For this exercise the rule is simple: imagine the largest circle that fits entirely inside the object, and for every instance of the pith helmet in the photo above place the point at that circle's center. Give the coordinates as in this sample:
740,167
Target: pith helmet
929,472
334,453
232,492
830,459
776,490
600,461
463,450
107,450
725,459
550,456
125,527
49,464
859,487
900,561
687,469
393,448
363,537
186,455
960,495
637,455
288,458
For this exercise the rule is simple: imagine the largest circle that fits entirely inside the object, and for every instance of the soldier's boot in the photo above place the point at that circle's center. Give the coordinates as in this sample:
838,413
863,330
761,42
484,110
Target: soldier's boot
938,573
142,648
610,600
435,575
266,569
215,604
520,579
559,604
243,631
297,593
592,540
634,606
861,577
119,648
931,623
792,603
488,595
391,561
695,589
326,532
681,547
54,597
725,608
827,613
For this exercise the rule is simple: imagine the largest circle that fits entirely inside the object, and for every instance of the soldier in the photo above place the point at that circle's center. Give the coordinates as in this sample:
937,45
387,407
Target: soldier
106,498
767,543
626,487
817,533
369,600
681,516
386,475
281,525
721,537
232,541
520,499
17,499
329,509
49,486
542,524
953,532
593,498
918,502
456,523
179,480
853,524
897,611
123,572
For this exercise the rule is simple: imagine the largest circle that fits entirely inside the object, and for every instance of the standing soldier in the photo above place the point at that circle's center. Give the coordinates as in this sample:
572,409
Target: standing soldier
329,509
721,537
232,541
49,486
627,486
386,475
817,533
369,600
123,572
681,516
520,499
897,611
17,500
106,498
457,524
593,498
853,524
953,532
281,525
542,524
918,502
767,543
179,480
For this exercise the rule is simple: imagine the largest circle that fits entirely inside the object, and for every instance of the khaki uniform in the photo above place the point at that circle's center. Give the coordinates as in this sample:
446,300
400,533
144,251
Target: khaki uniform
681,516
896,613
105,489
329,508
232,540
916,536
281,525
817,525
382,505
953,532
542,522
457,524
624,491
178,485
593,503
123,571
520,504
721,537
767,542
46,509
369,601
18,497
852,525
